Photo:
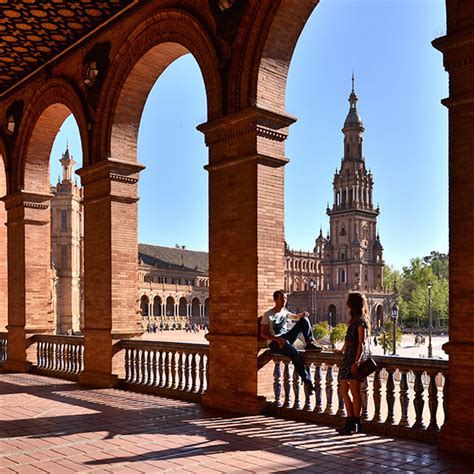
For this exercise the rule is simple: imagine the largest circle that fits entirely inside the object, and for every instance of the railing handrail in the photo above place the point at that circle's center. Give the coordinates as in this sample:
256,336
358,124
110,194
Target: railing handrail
165,345
72,340
395,362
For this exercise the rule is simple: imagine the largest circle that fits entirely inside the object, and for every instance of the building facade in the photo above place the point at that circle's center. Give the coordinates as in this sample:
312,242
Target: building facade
172,285
350,257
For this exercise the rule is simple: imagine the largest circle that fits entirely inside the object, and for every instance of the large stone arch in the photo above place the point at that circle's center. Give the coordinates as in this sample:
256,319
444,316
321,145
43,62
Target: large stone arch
30,297
268,36
149,49
44,114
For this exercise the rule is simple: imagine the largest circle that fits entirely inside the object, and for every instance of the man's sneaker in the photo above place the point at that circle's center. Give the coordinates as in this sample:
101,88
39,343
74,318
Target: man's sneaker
311,346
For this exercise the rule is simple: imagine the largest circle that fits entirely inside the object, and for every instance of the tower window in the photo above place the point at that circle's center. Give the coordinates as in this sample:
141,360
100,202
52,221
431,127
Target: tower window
63,220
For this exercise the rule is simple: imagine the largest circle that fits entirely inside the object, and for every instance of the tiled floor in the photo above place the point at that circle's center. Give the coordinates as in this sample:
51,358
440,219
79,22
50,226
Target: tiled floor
49,425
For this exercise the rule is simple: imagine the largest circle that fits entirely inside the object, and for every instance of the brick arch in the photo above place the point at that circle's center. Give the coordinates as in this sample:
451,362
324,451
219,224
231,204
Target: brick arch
147,52
43,116
269,36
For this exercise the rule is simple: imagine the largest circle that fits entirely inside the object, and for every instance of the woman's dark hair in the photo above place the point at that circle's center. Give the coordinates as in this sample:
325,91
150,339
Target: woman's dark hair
358,307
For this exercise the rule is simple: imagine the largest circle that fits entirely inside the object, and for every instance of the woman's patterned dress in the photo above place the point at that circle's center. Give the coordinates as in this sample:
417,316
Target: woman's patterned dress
350,351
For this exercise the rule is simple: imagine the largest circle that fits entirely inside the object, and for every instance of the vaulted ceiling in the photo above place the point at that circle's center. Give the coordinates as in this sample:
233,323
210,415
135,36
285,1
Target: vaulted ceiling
34,31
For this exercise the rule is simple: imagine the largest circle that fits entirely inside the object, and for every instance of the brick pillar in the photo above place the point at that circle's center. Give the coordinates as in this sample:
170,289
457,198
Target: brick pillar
246,245
29,269
458,48
110,264
3,258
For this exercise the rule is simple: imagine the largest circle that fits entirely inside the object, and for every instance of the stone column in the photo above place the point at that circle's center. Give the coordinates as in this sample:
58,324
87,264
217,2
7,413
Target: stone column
110,264
29,272
458,49
246,249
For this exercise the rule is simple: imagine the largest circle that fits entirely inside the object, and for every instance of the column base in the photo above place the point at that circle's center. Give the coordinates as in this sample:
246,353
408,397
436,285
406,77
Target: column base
457,437
98,380
237,402
16,366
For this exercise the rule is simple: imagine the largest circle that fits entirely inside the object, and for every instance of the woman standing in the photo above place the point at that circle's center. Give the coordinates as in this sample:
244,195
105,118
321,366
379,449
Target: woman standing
359,325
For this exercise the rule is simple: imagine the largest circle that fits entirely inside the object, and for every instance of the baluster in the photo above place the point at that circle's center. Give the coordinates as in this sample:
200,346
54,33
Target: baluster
340,400
418,401
74,350
143,368
364,398
433,402
193,373
277,383
318,389
206,371
286,384
152,368
445,396
181,375
404,399
81,359
161,364
127,365
187,372
329,389
377,388
296,390
59,356
166,367
173,369
390,387
67,358
307,403
133,355
39,358
51,349
201,373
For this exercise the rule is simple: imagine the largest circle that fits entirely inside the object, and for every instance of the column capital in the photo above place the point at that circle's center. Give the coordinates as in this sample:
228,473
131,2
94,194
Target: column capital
115,170
27,199
253,133
27,207
110,179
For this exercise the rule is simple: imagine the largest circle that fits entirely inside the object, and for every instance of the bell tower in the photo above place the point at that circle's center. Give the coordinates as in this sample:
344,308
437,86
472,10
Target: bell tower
66,247
353,256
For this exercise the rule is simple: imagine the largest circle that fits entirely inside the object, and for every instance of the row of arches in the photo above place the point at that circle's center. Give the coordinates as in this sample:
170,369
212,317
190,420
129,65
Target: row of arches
170,307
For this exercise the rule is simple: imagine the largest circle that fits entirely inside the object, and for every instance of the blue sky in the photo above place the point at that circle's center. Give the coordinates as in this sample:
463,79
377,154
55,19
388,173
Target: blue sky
399,81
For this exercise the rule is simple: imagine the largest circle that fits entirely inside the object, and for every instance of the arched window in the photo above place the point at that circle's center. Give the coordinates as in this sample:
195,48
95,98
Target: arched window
195,310
144,305
170,306
182,307
157,306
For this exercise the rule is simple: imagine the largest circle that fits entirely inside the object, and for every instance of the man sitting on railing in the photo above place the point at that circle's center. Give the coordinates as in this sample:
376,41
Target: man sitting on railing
274,322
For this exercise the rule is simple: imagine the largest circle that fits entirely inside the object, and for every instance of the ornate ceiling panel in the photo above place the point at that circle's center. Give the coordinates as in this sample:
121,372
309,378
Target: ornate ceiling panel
34,31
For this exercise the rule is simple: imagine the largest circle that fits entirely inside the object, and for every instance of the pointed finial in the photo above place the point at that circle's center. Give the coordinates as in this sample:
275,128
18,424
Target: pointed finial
352,79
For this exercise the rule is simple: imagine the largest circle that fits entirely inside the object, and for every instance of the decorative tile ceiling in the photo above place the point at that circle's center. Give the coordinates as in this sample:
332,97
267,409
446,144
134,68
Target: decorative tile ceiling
34,31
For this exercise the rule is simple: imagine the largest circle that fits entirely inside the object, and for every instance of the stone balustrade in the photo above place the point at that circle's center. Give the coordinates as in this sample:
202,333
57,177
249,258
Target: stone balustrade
59,356
405,397
165,368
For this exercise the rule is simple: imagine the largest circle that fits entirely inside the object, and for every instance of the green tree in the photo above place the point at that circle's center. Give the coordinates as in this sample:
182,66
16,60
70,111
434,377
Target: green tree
321,330
391,278
386,339
338,333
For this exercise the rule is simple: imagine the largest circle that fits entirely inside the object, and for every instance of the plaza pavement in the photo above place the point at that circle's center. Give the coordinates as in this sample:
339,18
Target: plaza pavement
51,425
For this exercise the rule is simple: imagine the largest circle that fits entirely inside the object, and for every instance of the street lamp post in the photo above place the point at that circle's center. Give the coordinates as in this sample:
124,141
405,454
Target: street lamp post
312,285
430,347
395,319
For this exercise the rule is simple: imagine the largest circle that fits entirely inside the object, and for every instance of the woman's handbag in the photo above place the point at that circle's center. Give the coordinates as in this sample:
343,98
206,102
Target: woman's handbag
366,367
367,364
